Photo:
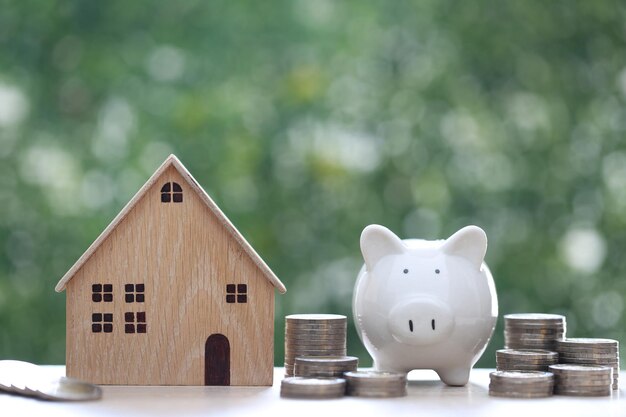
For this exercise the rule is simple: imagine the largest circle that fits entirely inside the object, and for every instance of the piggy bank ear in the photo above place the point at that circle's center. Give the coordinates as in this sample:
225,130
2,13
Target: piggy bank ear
377,242
470,243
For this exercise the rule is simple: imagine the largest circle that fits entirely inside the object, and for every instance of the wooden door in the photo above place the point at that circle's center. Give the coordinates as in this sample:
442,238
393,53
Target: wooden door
217,360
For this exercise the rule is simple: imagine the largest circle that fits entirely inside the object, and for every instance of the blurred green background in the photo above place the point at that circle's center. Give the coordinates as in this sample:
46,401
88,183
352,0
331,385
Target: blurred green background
307,120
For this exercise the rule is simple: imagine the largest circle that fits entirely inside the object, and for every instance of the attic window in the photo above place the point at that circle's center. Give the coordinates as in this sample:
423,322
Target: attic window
171,191
102,323
102,292
135,293
135,322
236,293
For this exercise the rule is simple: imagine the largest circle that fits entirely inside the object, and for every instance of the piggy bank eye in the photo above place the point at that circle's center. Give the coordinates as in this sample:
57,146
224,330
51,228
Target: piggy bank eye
437,271
406,271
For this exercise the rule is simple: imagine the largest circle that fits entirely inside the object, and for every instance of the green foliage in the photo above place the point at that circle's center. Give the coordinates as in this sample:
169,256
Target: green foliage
306,121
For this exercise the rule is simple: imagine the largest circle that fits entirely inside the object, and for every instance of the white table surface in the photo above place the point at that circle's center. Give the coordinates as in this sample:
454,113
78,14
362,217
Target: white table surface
427,396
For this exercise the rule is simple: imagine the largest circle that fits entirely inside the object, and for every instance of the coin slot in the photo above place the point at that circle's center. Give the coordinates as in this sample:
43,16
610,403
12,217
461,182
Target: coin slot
432,324
411,325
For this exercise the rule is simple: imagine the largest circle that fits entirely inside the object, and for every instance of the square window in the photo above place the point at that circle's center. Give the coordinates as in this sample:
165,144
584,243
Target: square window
135,322
236,293
97,325
101,292
178,197
166,197
134,293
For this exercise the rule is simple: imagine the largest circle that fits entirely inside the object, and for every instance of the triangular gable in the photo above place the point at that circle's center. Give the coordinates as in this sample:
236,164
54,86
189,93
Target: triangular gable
173,161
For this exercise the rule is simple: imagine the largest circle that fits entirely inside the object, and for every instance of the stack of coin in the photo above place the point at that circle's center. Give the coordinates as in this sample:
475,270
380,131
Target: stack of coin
297,387
325,366
313,335
24,378
533,331
525,360
582,380
591,352
521,384
375,384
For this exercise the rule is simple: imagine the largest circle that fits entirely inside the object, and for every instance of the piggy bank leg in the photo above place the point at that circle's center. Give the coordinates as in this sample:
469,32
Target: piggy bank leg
455,377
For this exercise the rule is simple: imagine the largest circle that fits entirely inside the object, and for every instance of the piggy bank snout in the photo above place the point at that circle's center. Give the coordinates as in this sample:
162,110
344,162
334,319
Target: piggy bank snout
421,321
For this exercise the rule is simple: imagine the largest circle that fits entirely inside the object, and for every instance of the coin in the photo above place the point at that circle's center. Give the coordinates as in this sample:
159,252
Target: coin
534,317
299,387
325,366
591,351
313,335
521,384
68,389
582,380
533,330
525,360
375,384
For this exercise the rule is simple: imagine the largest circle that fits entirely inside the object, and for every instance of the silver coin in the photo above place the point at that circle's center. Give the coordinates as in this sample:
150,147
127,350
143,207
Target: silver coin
329,360
318,336
15,375
380,393
534,317
575,368
298,387
590,341
68,389
530,387
517,367
367,377
539,354
521,376
549,361
315,345
583,393
515,394
324,365
314,340
315,317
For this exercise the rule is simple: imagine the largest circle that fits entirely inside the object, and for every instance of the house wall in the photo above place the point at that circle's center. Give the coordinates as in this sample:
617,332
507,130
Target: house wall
185,258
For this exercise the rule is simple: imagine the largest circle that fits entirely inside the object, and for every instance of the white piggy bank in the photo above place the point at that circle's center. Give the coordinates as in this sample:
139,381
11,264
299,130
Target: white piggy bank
422,304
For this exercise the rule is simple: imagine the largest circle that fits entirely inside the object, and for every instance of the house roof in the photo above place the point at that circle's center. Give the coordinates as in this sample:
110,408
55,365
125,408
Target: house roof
172,161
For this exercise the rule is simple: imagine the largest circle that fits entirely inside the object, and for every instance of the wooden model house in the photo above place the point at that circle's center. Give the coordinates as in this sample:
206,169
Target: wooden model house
170,294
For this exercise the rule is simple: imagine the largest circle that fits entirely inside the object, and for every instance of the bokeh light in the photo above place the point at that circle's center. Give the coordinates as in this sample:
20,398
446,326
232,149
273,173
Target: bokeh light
306,121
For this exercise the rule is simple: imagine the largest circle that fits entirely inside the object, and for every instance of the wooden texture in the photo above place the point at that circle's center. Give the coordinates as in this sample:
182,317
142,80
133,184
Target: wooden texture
185,255
426,396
